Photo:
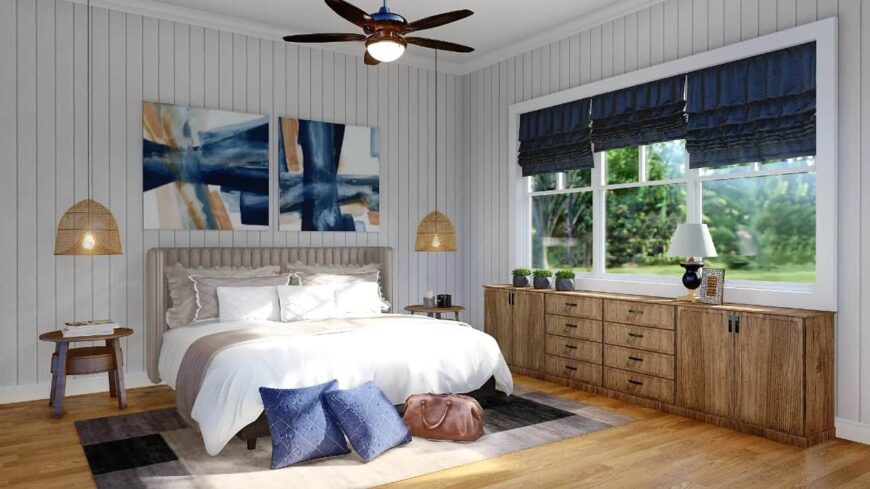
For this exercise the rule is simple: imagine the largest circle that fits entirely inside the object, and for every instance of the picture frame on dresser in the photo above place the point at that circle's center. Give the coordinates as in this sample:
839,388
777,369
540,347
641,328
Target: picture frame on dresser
712,290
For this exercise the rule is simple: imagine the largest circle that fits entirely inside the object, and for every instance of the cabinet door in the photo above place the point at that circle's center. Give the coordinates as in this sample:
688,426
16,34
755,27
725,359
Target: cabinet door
530,330
769,372
705,361
497,319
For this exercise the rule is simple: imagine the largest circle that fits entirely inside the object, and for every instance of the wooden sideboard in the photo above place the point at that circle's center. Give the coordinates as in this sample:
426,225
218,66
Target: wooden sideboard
763,370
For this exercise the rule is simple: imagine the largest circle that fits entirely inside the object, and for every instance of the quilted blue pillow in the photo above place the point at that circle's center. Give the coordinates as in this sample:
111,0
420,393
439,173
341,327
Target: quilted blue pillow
369,420
301,427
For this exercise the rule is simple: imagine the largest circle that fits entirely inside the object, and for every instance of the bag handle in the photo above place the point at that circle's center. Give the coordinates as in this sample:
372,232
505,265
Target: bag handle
428,425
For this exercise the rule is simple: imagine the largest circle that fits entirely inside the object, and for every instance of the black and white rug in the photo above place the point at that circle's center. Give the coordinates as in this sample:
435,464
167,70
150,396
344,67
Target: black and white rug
155,449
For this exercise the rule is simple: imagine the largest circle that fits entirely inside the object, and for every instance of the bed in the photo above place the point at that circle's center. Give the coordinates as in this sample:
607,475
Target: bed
223,364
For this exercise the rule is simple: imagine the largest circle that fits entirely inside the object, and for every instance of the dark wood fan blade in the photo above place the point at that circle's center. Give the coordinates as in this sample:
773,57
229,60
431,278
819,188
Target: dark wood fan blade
435,44
369,60
350,12
437,20
325,38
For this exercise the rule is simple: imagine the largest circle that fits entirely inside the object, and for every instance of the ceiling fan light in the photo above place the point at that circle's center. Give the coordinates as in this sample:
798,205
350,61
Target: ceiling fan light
385,50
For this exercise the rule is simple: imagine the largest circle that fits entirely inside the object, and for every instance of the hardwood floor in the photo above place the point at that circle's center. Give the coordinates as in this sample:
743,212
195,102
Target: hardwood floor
658,450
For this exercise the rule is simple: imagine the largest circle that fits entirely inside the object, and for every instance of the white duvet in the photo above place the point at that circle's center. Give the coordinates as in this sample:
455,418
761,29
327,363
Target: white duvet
402,354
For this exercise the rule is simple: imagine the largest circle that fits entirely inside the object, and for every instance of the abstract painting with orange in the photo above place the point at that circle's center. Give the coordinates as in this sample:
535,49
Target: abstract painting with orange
329,176
204,169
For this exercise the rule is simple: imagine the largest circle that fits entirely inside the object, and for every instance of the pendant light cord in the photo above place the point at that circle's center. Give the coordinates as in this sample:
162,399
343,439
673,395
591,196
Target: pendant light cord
436,130
90,174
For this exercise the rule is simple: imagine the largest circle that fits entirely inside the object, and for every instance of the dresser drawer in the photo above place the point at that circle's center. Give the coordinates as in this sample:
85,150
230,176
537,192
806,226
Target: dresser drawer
574,369
585,329
639,313
575,349
639,385
639,361
574,306
639,337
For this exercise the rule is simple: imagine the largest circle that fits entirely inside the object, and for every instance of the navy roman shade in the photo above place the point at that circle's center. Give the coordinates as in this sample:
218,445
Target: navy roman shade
555,139
754,109
642,114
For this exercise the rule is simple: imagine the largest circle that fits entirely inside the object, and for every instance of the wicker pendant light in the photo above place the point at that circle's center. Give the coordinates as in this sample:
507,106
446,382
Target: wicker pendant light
435,232
88,227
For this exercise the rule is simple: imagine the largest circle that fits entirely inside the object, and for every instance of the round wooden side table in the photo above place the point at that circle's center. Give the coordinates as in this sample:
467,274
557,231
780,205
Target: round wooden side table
86,360
435,312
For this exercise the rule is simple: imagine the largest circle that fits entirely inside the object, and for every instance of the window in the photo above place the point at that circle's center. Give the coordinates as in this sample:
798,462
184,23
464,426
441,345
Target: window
762,216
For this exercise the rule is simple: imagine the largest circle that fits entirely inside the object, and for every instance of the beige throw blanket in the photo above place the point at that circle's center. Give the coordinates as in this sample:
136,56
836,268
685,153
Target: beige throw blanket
199,356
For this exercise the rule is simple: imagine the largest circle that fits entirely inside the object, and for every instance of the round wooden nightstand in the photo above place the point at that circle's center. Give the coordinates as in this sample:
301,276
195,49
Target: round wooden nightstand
86,360
435,311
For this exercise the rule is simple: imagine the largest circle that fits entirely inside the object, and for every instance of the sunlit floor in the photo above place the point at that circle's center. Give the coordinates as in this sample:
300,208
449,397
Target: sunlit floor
658,450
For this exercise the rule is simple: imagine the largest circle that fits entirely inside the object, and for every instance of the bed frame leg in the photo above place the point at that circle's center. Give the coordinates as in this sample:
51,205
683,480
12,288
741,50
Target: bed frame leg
252,443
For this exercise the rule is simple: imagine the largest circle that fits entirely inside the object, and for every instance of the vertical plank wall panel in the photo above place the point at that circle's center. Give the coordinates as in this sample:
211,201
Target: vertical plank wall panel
864,300
850,317
117,163
663,32
44,88
133,241
27,190
45,177
64,163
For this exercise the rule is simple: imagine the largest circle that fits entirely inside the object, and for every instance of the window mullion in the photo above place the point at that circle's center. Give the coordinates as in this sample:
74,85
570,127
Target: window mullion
599,215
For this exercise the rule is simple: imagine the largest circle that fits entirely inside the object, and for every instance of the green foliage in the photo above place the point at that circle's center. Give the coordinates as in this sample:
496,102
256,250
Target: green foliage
543,273
762,226
565,274
521,272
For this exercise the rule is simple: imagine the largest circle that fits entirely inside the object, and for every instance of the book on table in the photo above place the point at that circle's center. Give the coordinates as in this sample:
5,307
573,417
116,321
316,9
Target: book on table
89,328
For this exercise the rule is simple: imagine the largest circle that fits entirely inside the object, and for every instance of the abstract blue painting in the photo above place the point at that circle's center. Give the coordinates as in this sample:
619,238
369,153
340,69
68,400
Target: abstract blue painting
329,176
204,169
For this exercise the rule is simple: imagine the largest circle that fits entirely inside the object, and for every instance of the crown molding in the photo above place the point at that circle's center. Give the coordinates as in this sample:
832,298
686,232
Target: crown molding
601,16
165,11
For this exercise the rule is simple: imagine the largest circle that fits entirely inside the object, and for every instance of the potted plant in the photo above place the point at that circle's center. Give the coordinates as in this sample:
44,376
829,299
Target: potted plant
521,277
565,280
542,279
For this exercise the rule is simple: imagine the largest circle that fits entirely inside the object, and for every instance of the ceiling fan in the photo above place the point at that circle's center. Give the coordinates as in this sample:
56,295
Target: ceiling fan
384,31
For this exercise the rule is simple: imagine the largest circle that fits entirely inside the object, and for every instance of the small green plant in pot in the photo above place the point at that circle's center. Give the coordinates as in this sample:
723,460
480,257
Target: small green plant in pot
565,280
521,277
542,279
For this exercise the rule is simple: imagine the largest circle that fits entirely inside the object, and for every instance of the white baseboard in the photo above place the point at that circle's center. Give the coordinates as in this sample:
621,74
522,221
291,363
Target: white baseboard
852,430
75,385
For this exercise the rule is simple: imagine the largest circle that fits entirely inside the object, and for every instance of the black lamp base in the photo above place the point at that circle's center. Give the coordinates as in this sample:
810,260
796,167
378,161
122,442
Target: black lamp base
691,280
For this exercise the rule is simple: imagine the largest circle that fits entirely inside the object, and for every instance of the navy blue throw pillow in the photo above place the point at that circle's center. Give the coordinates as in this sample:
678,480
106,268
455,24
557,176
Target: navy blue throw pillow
368,418
300,425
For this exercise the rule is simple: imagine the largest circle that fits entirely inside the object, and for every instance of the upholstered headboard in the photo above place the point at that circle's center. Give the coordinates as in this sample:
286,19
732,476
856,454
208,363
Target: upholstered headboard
157,293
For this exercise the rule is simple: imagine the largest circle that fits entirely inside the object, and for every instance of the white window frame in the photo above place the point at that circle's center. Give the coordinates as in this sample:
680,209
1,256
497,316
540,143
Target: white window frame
821,295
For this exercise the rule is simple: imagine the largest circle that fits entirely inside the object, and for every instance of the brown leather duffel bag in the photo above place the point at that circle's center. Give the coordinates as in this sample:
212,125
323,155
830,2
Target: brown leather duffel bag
444,417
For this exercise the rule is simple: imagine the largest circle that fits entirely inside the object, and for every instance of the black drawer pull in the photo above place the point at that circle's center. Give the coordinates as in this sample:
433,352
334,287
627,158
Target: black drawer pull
571,304
635,311
568,367
635,335
636,359
571,326
573,347
635,382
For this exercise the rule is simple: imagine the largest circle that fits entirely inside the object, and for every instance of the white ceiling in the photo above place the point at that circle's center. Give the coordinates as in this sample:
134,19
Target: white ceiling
495,25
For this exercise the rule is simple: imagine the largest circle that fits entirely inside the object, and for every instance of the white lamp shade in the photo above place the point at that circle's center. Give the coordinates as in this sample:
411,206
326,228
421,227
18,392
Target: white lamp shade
692,240
385,50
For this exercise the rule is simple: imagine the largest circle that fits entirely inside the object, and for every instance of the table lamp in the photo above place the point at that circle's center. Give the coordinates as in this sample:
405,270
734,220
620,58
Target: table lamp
692,240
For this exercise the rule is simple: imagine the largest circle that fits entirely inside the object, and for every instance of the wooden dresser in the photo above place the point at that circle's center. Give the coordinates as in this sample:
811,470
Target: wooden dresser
762,370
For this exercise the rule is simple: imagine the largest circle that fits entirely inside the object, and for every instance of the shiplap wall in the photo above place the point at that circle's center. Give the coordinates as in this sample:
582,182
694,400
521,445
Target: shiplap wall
43,157
660,33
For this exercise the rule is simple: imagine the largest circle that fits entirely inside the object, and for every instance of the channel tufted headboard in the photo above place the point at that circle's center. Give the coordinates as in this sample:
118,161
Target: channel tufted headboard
157,293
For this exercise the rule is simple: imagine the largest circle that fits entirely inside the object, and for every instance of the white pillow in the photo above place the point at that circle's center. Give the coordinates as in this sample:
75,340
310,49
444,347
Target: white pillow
249,303
301,302
358,299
